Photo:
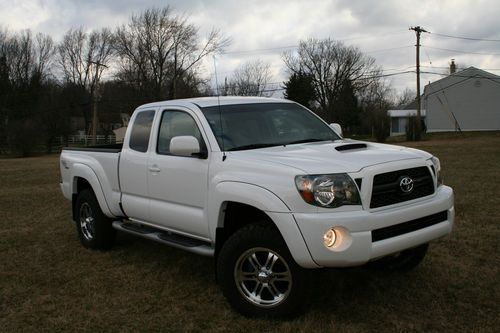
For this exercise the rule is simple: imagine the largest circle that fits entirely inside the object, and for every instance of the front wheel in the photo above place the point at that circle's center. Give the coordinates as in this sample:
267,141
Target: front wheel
94,228
258,275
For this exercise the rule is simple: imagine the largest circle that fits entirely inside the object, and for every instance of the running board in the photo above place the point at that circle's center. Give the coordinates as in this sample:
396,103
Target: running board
164,237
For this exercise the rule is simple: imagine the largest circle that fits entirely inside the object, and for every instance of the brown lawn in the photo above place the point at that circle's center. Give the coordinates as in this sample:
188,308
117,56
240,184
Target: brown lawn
48,282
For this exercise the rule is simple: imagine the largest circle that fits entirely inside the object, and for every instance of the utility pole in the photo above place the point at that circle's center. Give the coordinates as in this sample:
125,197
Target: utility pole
94,96
418,126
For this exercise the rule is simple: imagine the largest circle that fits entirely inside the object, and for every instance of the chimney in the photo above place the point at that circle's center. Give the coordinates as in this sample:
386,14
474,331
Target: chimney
453,67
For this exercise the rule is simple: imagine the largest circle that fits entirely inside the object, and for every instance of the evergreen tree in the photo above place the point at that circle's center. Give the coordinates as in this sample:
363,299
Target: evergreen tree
347,110
300,88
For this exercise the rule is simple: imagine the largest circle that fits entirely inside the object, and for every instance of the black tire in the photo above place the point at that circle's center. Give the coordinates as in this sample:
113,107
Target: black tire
94,228
402,261
278,284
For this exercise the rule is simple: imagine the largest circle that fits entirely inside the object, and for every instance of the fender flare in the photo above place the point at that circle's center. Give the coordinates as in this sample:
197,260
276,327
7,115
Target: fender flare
268,202
250,194
80,170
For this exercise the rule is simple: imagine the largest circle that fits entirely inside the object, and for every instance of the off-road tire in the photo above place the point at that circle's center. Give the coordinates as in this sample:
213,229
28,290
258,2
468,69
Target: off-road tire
265,241
94,228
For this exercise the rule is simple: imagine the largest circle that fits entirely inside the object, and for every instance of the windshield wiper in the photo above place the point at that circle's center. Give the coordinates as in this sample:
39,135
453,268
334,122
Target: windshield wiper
306,141
265,145
255,146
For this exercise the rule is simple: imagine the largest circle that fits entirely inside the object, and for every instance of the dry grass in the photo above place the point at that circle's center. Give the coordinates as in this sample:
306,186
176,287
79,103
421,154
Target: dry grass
48,282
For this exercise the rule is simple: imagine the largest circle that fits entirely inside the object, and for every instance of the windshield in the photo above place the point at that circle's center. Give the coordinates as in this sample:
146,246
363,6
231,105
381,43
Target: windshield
252,126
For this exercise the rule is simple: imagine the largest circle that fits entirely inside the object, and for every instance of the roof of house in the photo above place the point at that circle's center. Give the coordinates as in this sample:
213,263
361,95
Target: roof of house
404,113
459,77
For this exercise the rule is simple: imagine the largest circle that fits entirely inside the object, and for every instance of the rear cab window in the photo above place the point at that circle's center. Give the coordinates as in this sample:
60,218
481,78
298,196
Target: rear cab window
141,131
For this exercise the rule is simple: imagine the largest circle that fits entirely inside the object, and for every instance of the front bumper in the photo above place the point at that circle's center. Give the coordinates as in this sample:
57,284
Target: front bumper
358,247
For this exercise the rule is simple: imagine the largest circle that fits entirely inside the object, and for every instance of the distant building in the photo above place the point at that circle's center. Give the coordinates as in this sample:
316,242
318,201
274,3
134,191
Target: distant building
120,133
399,117
468,100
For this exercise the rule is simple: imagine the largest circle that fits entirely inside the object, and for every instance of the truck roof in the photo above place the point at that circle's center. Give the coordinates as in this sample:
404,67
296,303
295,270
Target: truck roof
214,101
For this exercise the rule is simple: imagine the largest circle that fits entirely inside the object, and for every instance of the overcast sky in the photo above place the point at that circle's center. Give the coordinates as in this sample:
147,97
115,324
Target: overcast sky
265,28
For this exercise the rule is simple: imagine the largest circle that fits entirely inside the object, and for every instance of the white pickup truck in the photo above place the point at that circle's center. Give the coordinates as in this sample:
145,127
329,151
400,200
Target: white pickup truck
263,185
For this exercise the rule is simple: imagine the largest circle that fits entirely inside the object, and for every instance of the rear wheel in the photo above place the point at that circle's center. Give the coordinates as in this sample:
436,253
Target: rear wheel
258,275
94,228
402,261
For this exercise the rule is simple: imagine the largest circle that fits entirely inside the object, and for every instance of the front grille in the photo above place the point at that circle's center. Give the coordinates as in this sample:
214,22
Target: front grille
406,227
387,190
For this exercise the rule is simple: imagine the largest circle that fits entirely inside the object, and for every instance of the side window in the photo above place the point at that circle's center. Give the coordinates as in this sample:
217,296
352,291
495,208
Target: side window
141,129
176,123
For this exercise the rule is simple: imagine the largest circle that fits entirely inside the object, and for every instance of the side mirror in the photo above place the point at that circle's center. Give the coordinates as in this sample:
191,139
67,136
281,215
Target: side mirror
336,127
185,145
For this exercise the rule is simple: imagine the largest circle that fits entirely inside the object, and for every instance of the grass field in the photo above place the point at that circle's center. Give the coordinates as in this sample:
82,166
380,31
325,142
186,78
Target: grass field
48,282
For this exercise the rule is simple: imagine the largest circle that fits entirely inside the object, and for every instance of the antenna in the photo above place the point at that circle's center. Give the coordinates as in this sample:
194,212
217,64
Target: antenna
220,112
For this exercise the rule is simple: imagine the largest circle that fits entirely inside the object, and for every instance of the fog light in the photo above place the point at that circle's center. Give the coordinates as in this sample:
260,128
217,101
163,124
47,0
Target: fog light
329,238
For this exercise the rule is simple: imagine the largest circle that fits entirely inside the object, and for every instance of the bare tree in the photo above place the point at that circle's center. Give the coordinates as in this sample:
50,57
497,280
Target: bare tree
158,48
83,57
250,79
27,57
26,61
376,100
20,58
332,65
405,97
44,52
24,71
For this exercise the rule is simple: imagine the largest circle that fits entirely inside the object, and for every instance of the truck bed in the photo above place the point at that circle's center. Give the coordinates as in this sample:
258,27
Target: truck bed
110,148
99,166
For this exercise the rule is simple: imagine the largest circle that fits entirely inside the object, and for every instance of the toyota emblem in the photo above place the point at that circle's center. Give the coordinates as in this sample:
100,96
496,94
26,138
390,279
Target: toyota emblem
406,184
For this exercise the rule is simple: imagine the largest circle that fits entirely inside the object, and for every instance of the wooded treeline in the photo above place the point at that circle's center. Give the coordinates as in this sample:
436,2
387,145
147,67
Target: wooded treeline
156,55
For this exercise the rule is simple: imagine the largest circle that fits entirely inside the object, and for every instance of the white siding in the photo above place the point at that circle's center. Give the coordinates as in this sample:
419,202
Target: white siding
472,97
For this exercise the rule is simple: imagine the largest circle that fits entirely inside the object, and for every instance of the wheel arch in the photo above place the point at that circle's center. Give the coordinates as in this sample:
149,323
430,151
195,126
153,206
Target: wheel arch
83,177
240,204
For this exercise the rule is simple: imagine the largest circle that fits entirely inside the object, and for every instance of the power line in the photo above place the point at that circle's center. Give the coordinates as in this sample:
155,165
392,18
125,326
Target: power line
397,69
389,49
386,75
447,67
476,76
450,112
461,51
297,45
466,38
280,88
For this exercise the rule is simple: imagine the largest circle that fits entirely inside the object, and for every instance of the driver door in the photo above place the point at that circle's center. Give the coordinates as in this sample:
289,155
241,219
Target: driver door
178,185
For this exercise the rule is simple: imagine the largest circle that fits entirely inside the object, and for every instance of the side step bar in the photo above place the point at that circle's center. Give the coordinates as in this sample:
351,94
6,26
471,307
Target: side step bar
168,238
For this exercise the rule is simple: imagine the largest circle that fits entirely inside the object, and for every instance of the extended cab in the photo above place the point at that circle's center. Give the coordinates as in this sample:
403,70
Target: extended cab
263,185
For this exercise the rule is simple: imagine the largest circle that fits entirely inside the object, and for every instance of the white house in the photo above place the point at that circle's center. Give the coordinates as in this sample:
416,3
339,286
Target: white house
468,100
399,117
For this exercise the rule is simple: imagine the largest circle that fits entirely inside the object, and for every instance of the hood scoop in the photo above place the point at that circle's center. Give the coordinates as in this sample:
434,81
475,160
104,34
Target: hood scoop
351,146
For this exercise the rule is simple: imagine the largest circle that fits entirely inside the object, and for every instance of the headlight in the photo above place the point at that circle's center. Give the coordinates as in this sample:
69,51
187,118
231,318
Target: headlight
437,168
328,190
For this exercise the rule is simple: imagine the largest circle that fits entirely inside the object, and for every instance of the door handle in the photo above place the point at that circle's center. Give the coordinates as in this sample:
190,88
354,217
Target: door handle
154,168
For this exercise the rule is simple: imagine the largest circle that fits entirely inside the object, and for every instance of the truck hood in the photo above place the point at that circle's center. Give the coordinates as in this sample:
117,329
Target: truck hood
331,157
